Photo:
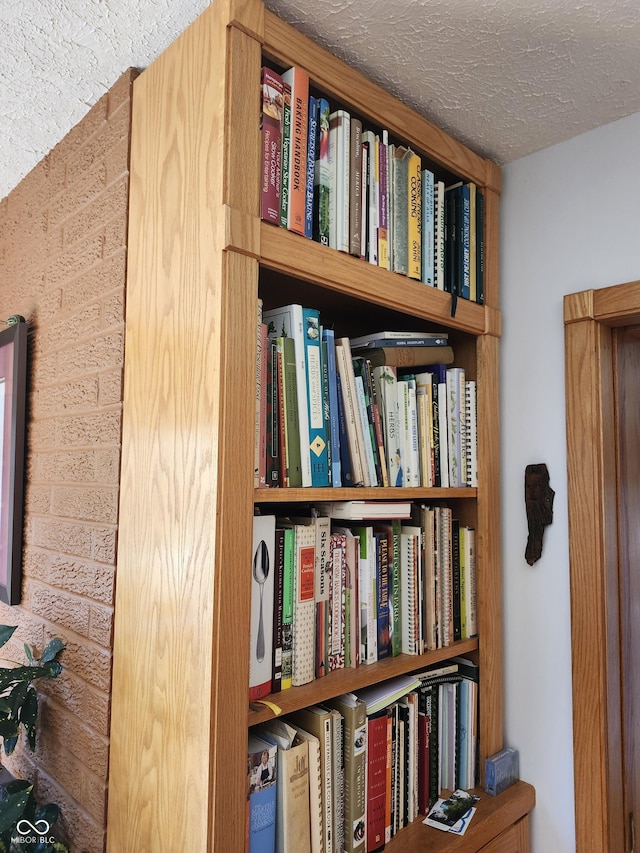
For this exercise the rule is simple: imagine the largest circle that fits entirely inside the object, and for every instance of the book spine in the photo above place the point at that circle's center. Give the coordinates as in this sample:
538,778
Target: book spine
364,218
285,157
292,418
376,781
428,228
473,244
312,134
345,450
298,79
262,794
334,422
455,379
383,207
370,147
322,593
321,176
259,408
338,580
465,241
304,620
262,606
326,408
278,584
273,453
407,592
272,93
382,595
288,597
413,433
264,369
439,234
351,412
480,247
355,187
377,426
455,579
317,447
367,438
400,210
414,225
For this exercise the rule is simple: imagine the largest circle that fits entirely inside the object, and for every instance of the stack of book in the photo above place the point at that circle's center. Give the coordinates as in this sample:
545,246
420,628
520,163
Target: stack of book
332,589
386,409
347,775
326,177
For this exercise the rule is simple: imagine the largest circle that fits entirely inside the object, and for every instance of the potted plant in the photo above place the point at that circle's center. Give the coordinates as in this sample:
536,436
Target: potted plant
25,825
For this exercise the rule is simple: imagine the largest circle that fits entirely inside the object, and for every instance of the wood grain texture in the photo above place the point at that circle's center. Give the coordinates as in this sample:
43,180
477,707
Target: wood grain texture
340,82
593,580
492,248
163,685
492,827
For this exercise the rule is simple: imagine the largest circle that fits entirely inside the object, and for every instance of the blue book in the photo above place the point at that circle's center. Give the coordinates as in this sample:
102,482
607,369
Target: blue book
311,165
328,338
262,771
382,595
317,447
428,228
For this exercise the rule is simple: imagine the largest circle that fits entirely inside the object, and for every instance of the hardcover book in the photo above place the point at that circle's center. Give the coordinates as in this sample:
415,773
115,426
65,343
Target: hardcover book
400,192
285,156
428,228
355,757
289,430
304,612
288,322
272,102
339,179
317,446
261,794
355,187
318,722
262,606
321,201
298,79
414,226
312,134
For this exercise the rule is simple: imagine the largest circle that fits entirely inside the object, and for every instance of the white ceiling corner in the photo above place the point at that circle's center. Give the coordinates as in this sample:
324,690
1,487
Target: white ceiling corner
506,77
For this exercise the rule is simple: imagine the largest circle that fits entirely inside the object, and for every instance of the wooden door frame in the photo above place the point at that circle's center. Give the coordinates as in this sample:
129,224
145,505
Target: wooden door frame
590,318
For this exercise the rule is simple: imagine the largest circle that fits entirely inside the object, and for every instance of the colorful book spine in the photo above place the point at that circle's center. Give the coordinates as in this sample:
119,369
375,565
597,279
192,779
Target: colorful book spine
355,187
383,201
328,337
382,596
304,615
414,212
286,154
312,133
337,594
272,97
439,234
259,401
321,177
428,228
317,446
298,79
278,589
262,792
376,780
291,420
465,241
322,592
354,714
273,453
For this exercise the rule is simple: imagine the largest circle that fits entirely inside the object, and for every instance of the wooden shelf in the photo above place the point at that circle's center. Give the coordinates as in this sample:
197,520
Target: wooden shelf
348,680
494,815
311,495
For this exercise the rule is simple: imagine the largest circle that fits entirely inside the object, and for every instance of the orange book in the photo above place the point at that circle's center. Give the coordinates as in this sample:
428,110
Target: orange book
298,79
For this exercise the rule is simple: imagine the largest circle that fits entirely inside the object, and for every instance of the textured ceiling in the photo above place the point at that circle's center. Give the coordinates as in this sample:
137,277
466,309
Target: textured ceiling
507,77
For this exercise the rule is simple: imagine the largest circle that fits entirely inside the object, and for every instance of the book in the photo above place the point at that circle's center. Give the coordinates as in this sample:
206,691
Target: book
428,228
288,596
355,187
260,403
355,436
285,155
354,716
318,721
384,649
317,447
337,621
365,510
414,212
408,572
383,200
411,355
328,338
278,604
312,133
262,606
322,591
471,431
321,176
400,191
298,79
456,425
261,794
271,131
379,696
366,424
316,817
339,158
289,430
371,200
272,473
400,339
439,234
288,322
386,379
304,615
376,780
292,786
337,776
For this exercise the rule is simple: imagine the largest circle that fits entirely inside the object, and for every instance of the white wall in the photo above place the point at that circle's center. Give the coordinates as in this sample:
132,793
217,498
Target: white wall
570,221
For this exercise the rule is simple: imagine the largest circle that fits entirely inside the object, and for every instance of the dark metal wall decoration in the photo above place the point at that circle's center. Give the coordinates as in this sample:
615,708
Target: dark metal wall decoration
538,498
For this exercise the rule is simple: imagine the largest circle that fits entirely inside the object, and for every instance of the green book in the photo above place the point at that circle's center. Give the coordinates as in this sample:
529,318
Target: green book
287,608
290,403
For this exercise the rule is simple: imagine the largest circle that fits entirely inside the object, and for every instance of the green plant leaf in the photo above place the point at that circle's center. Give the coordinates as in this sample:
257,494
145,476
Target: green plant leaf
28,652
52,650
10,744
12,808
6,632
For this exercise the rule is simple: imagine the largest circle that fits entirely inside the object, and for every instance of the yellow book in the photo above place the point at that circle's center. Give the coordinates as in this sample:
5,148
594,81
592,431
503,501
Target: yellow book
415,217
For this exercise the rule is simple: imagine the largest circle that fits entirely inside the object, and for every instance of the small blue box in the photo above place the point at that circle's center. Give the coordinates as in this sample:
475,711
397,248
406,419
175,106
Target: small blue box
501,770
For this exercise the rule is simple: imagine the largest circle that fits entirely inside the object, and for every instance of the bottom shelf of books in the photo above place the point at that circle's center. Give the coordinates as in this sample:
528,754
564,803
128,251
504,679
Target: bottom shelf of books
357,771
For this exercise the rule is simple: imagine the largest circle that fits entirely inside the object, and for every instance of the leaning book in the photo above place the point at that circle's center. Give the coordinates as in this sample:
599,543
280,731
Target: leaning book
261,795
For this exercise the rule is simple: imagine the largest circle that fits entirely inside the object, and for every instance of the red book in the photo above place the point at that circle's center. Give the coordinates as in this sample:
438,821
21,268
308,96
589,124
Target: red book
298,79
376,780
271,145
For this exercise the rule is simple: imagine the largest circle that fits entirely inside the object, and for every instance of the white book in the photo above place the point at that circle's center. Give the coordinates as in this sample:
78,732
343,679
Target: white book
387,386
262,603
339,172
471,433
344,363
317,721
414,453
288,322
438,254
456,426
408,545
369,138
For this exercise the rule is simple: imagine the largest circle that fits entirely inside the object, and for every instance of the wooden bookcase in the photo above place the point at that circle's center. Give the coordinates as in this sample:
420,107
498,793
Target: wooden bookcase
199,256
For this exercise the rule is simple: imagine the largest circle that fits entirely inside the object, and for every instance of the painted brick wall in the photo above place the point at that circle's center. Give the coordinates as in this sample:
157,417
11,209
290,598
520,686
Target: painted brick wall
62,265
